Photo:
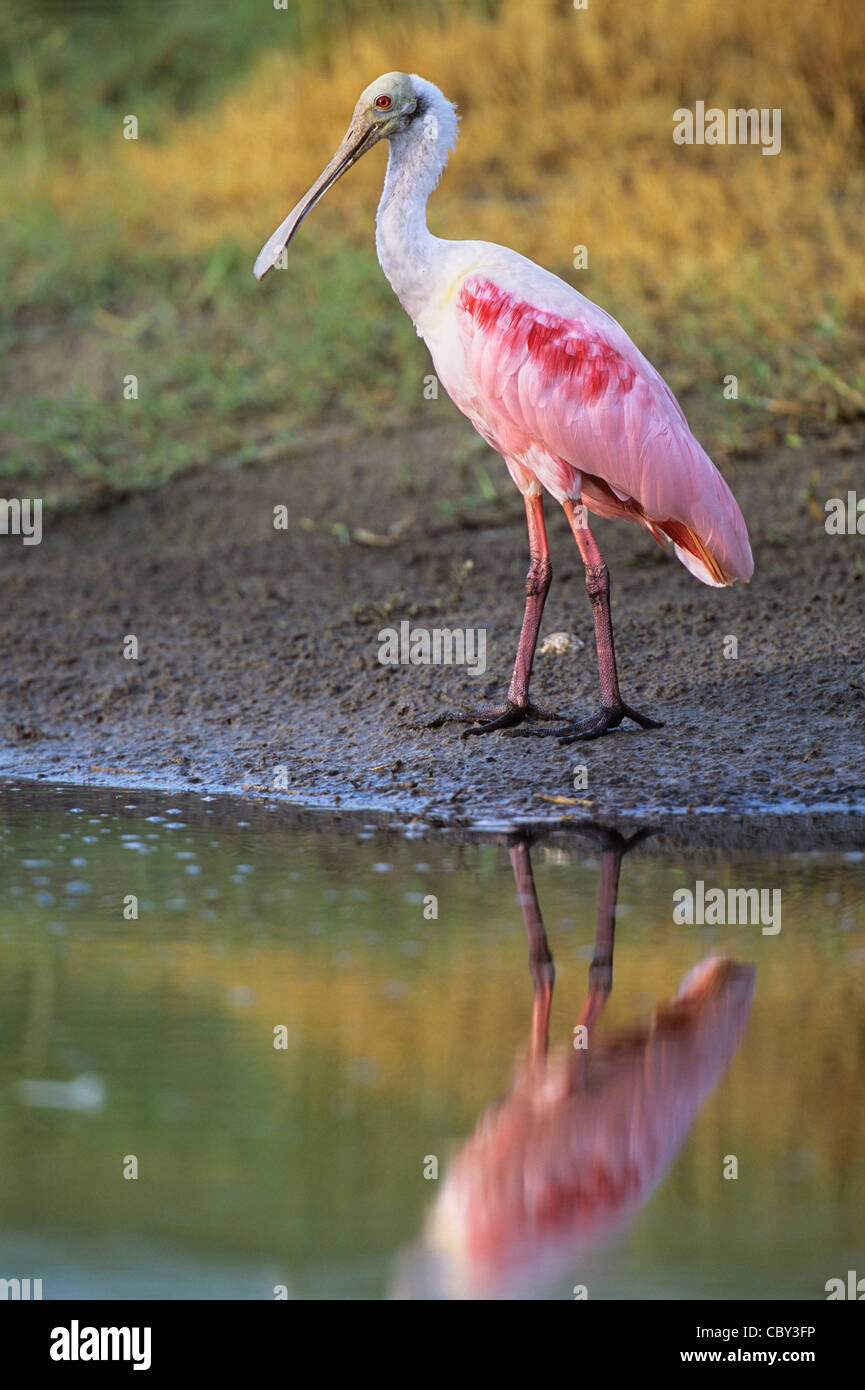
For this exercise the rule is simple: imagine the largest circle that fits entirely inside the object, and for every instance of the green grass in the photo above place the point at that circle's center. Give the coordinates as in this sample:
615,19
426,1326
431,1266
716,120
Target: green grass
225,367
96,287
223,364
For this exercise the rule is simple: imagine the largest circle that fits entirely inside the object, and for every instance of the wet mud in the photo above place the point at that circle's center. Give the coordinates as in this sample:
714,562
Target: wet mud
258,671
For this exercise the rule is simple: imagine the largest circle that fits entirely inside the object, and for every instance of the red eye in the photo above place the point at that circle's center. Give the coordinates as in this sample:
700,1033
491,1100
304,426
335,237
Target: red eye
384,103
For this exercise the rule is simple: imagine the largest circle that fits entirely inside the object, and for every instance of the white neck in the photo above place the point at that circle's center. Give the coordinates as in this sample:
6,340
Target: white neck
416,159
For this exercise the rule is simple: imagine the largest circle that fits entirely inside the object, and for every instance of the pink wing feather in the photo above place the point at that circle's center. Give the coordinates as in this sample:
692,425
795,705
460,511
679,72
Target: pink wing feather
572,404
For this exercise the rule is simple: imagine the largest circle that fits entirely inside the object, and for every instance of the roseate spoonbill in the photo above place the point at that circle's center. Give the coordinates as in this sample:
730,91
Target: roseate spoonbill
585,1134
550,380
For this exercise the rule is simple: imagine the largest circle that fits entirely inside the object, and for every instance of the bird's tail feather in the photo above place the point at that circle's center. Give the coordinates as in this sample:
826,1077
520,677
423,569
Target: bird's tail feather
692,552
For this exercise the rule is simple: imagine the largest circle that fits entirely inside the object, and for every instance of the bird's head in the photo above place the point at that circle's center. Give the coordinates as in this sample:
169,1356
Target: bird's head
387,107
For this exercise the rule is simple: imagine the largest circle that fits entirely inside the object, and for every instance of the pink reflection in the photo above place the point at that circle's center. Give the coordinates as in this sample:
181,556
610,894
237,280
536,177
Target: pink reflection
583,1136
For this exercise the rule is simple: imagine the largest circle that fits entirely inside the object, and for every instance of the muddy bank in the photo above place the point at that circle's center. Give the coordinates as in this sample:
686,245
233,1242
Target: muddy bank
258,670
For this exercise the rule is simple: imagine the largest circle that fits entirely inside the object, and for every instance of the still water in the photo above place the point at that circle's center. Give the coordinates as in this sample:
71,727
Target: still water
348,1062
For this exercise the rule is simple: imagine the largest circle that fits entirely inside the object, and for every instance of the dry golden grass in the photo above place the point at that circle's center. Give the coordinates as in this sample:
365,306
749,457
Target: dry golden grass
566,138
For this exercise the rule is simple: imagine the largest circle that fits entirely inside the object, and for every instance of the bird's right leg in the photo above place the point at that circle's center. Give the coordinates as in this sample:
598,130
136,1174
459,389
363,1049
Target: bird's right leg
518,706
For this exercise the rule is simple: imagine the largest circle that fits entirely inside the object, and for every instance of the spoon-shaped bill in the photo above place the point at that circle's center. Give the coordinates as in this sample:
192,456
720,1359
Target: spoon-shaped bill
360,137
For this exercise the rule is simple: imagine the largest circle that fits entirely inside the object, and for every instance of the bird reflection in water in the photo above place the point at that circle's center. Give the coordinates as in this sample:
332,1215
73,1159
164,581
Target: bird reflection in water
586,1132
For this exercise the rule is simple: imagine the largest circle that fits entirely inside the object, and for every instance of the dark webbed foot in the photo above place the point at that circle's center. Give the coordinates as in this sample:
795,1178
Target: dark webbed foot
581,731
608,719
486,721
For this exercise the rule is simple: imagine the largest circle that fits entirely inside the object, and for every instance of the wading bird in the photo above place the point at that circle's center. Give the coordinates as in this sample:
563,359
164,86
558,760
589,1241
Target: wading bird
550,380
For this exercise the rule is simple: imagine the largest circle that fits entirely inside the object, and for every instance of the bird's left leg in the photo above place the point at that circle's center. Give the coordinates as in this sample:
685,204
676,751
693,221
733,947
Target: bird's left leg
541,967
613,708
518,707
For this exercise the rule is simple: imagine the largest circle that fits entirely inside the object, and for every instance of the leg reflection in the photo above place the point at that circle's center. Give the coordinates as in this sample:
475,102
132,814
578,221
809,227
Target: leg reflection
584,1134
